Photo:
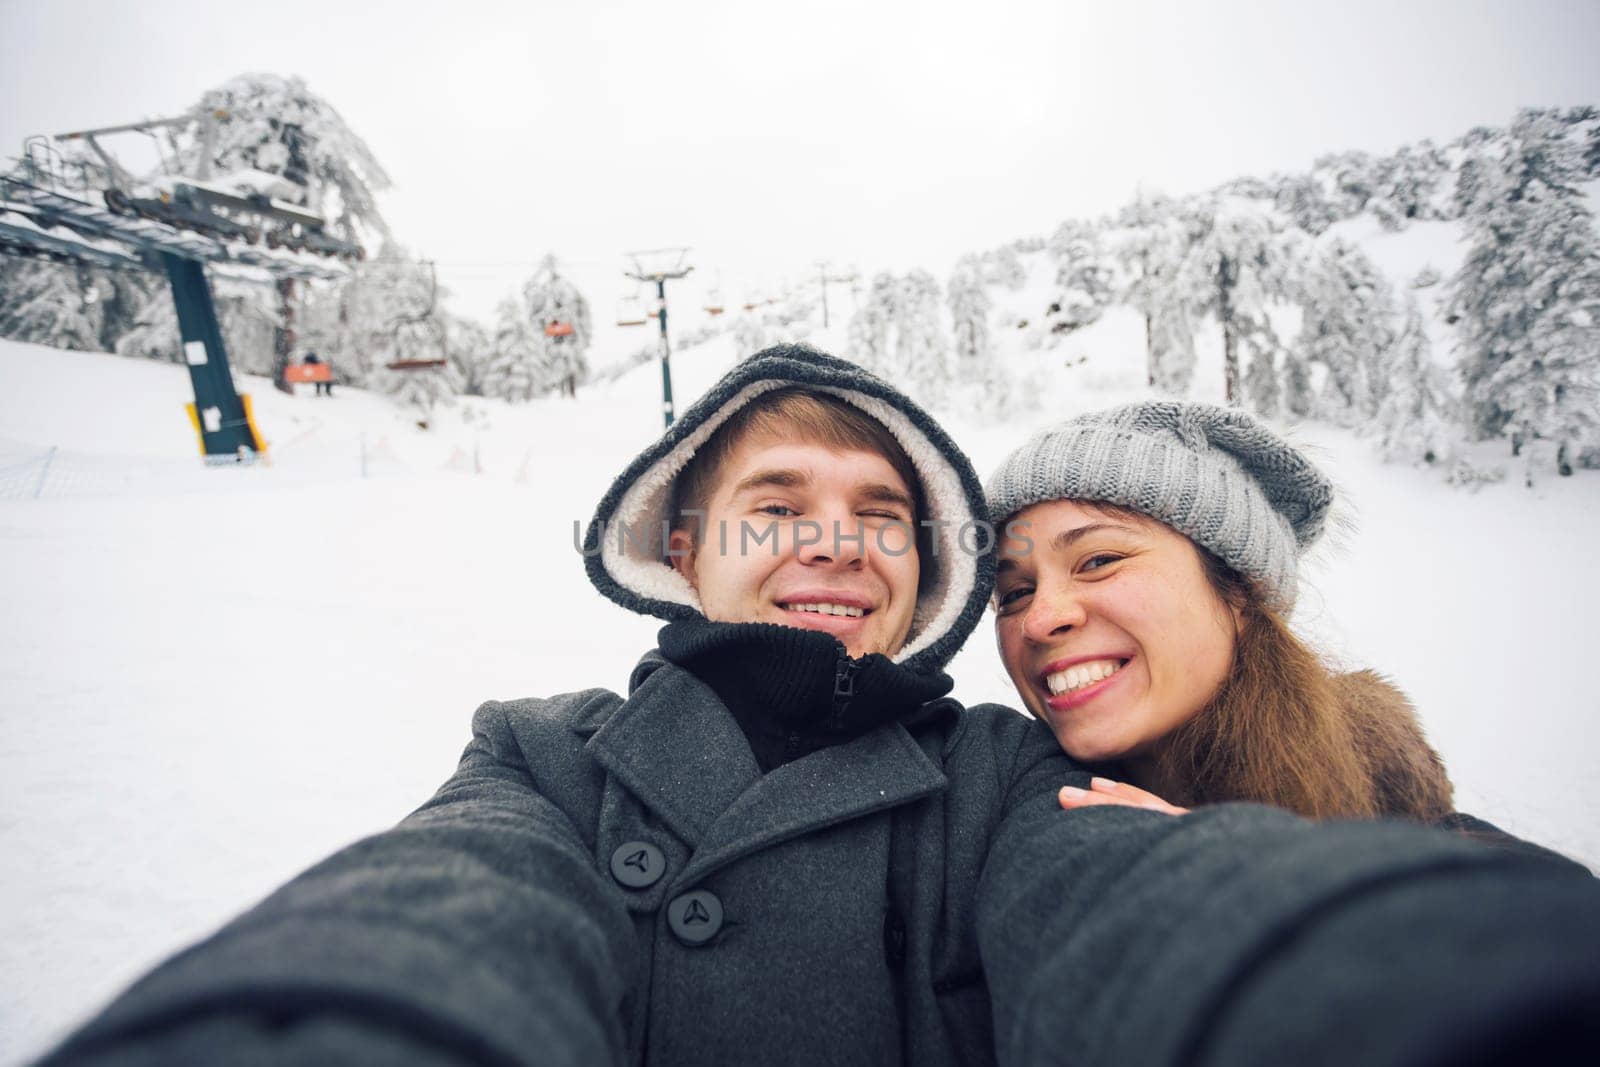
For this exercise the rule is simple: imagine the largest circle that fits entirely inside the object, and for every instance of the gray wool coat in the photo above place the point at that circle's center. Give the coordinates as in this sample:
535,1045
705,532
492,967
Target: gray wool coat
491,926
491,920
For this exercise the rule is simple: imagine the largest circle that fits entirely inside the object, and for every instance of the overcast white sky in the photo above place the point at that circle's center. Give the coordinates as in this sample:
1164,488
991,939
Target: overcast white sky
768,136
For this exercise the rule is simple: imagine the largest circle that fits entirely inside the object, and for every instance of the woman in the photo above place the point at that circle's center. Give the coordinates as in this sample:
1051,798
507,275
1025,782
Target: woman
1147,566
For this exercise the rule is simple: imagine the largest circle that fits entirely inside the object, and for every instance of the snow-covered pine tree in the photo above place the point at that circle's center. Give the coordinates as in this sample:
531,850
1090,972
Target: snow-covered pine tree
1236,261
1406,185
1526,300
1414,417
1084,277
979,365
749,334
897,334
969,314
1149,244
1003,266
471,350
1303,199
388,309
1261,380
1350,175
153,333
1348,326
514,373
123,296
870,326
552,303
44,304
249,316
922,348
276,125
422,388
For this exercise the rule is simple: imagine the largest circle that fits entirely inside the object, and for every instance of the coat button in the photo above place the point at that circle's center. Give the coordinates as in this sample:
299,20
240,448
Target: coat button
695,917
637,864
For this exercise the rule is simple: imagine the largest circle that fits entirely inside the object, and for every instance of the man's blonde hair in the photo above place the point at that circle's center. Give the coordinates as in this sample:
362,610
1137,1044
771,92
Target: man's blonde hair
790,413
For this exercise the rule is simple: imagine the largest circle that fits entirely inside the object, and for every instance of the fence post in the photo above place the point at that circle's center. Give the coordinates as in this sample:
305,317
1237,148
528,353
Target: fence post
44,471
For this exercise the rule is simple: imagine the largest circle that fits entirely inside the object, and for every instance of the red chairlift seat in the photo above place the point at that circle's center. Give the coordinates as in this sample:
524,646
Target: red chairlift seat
557,328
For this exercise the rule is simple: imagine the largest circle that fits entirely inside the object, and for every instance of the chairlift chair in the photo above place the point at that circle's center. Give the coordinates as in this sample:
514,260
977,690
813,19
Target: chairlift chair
631,312
558,328
714,305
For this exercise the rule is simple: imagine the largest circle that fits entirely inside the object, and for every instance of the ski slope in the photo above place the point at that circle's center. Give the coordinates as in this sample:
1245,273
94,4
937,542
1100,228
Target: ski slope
209,679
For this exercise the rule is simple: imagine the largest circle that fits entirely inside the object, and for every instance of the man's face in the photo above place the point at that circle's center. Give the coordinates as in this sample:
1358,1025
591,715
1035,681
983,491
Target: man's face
799,535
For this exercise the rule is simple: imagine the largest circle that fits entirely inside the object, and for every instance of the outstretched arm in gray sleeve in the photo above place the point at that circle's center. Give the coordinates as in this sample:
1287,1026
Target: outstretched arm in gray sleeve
477,930
1242,935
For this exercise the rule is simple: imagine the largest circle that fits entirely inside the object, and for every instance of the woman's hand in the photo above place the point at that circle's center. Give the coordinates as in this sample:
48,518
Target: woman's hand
1105,791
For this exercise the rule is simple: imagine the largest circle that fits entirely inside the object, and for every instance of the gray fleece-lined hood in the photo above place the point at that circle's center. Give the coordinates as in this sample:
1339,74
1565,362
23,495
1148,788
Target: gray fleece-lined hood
623,548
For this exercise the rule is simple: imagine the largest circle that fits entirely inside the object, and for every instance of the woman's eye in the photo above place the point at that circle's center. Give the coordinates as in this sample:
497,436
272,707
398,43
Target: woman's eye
1011,596
1096,562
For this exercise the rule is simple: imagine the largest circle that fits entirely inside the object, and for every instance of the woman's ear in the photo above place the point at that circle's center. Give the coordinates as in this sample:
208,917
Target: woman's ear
680,554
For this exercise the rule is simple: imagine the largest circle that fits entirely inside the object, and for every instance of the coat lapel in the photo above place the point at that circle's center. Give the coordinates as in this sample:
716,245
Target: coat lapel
675,747
877,771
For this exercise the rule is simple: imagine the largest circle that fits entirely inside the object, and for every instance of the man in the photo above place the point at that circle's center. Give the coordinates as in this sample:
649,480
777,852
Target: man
785,845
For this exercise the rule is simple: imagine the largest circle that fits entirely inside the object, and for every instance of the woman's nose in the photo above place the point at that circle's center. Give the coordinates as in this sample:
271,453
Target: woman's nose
1052,612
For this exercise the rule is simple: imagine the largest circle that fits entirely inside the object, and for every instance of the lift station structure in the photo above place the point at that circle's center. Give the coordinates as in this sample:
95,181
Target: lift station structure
189,225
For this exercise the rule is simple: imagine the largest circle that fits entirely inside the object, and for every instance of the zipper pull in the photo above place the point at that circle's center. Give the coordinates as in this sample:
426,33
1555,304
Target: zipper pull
844,689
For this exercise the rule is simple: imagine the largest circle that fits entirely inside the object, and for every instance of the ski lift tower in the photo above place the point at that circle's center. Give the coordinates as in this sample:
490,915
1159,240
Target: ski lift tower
190,224
661,265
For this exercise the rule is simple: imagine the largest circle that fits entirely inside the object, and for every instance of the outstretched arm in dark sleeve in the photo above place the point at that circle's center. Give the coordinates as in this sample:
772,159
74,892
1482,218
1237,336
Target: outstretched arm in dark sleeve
1242,935
475,931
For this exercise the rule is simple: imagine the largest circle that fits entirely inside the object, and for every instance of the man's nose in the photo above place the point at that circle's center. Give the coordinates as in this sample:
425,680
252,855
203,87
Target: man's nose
838,539
1053,611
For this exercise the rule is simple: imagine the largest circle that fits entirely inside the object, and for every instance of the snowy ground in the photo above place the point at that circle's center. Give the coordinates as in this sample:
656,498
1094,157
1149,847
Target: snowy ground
211,678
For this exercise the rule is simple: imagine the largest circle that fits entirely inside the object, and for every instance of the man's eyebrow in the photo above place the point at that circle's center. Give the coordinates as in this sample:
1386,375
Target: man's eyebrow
793,478
775,478
880,493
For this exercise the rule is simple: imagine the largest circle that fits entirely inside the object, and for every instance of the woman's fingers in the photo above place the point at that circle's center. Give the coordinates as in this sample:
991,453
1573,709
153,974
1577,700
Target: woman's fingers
1072,797
1105,791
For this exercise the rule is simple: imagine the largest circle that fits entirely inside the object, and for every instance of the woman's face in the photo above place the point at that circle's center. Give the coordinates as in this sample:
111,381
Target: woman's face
1108,627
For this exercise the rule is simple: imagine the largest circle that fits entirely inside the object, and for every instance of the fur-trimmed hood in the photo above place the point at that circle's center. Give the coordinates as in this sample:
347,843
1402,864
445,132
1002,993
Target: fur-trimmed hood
624,546
1408,775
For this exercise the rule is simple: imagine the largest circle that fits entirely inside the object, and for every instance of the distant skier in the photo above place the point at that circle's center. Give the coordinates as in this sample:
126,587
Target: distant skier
325,387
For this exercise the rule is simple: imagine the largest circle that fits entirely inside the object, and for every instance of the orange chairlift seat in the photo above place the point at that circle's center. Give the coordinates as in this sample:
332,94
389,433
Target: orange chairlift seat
557,328
308,372
415,364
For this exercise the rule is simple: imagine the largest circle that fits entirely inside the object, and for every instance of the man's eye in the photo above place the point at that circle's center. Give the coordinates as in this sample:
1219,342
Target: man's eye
887,516
1097,562
782,511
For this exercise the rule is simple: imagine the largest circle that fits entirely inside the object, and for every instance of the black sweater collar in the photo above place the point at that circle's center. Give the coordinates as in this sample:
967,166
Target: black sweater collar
795,691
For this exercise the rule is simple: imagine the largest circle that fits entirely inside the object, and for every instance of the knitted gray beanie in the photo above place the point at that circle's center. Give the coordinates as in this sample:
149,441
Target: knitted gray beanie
1212,473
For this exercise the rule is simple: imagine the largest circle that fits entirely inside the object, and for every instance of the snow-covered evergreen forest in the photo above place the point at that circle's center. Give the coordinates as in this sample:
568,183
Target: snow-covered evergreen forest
1494,334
